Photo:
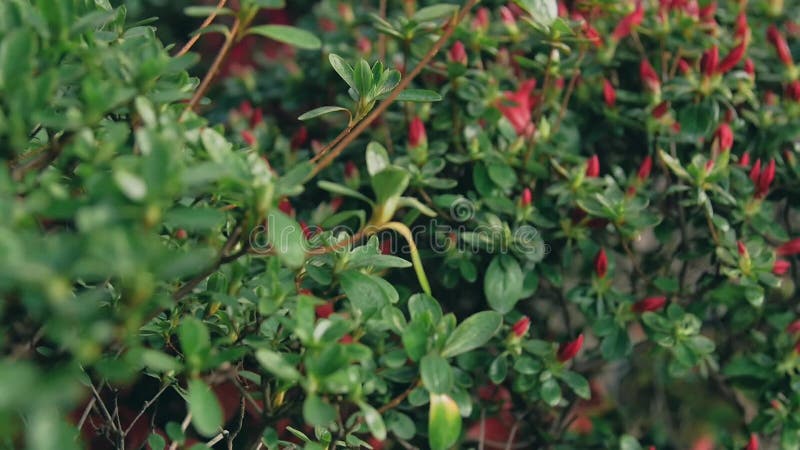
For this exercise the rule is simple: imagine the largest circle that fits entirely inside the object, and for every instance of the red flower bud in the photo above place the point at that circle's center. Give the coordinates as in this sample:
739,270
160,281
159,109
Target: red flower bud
591,34
645,168
286,207
649,304
794,327
780,267
325,310
750,67
770,98
568,350
181,234
707,12
765,179
724,137
364,45
789,248
742,28
609,94
649,76
507,17
744,161
481,20
732,59
299,138
779,42
520,328
793,91
248,138
458,54
752,443
626,25
708,63
304,228
258,117
755,172
593,167
740,247
601,264
525,198
660,110
246,108
416,133
684,66
336,203
350,169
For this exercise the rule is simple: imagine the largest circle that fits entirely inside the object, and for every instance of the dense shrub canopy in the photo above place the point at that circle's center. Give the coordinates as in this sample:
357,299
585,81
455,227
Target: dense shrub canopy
399,224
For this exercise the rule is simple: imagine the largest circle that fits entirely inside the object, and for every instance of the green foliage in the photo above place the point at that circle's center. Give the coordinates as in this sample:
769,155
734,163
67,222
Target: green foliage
180,269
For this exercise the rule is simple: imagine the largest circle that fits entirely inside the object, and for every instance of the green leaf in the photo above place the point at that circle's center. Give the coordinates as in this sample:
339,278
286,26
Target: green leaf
550,392
415,339
377,158
444,422
342,190
132,185
437,375
389,183
374,421
543,12
498,369
365,293
362,75
205,408
289,35
503,283
277,365
628,442
205,11
401,425
434,12
472,333
318,412
578,384
270,4
343,69
285,238
160,362
156,442
195,340
697,120
322,110
195,219
419,95
378,261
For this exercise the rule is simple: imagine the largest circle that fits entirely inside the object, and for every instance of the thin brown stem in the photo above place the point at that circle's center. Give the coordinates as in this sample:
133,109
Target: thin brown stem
570,89
147,404
382,37
330,145
350,137
203,26
233,34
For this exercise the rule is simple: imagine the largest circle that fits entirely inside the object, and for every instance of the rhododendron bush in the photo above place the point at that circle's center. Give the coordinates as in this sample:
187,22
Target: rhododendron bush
397,224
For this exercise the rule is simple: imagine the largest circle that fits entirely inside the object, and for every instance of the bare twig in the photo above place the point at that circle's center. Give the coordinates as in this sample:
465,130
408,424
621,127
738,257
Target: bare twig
184,425
147,404
232,435
230,38
204,25
404,83
224,258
